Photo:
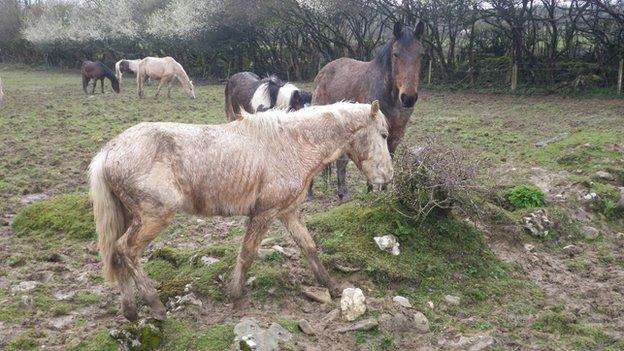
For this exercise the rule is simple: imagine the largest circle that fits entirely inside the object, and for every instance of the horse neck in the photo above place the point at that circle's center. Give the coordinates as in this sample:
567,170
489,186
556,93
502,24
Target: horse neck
181,74
320,141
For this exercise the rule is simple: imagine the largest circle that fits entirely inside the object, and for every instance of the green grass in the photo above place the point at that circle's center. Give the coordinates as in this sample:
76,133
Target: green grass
60,215
525,196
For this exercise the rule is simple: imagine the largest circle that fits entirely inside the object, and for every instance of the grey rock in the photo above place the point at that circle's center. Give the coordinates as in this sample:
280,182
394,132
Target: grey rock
352,303
248,335
24,286
451,300
537,223
209,261
421,323
305,327
605,175
556,138
179,302
590,232
317,294
62,322
620,203
572,250
388,243
365,324
402,301
30,198
478,342
64,296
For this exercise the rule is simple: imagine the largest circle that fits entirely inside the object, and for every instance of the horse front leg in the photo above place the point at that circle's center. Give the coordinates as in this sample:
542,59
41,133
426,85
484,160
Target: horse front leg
307,246
341,175
85,84
102,84
163,81
94,85
256,229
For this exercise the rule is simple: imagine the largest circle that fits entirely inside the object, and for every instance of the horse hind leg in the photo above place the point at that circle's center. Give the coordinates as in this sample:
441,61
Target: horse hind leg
163,81
94,85
85,84
102,84
131,246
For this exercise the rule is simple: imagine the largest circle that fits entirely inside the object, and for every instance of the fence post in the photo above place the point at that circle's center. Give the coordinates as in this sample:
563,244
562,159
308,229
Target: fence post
514,76
430,67
620,76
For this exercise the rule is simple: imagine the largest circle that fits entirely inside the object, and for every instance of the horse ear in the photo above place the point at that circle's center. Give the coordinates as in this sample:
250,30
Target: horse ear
374,109
398,28
295,99
420,29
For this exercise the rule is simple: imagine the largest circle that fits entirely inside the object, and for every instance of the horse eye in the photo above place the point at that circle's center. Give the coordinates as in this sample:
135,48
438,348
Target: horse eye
395,54
384,135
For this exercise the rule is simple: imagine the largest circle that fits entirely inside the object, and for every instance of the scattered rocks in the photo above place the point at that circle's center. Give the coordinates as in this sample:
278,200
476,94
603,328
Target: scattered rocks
144,336
287,252
402,301
305,327
590,232
30,198
537,223
554,139
478,342
248,335
605,175
352,303
572,250
317,294
24,286
591,201
177,303
430,304
388,243
451,300
365,324
330,317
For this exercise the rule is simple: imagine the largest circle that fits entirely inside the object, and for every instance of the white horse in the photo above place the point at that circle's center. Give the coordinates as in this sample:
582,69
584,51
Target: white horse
126,66
165,69
258,167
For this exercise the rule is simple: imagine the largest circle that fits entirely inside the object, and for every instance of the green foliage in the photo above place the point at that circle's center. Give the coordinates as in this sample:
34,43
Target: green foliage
68,215
289,325
525,196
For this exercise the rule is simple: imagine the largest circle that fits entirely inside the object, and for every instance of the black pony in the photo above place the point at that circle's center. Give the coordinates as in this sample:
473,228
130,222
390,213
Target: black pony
97,70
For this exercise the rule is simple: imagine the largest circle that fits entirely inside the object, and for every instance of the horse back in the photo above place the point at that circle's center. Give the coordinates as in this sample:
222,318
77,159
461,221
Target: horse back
344,79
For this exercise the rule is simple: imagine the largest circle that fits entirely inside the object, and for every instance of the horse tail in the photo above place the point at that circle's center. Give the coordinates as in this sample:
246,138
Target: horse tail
109,217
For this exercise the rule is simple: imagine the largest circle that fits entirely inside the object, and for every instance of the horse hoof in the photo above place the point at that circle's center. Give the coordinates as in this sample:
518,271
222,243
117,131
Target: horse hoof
131,314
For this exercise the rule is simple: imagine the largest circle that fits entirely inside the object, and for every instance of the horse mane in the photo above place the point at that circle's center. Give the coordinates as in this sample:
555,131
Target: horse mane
271,123
108,73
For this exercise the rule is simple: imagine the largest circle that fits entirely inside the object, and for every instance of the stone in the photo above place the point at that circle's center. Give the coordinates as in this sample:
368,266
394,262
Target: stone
209,261
554,139
179,302
62,322
317,294
591,201
451,300
537,223
478,342
290,253
395,323
529,247
346,269
305,327
388,243
352,303
402,301
620,203
365,324
430,304
605,175
590,232
421,323
24,286
572,250
248,335
30,198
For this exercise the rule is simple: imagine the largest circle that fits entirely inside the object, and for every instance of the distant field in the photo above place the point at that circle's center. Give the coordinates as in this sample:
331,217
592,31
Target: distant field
544,300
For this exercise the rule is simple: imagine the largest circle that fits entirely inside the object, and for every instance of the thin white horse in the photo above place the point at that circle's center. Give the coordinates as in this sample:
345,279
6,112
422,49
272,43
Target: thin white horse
258,167
166,69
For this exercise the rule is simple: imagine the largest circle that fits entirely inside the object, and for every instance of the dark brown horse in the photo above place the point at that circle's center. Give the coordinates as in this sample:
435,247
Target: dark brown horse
392,77
97,71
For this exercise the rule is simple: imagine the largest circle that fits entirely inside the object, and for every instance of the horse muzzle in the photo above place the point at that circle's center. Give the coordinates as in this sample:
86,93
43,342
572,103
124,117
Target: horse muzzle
408,100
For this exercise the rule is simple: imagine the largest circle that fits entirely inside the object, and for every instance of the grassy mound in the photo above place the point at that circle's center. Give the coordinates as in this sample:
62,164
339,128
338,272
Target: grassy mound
433,255
68,214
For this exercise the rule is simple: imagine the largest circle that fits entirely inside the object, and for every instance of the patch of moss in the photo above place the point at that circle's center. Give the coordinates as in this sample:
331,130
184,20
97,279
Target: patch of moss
68,214
180,336
25,341
289,325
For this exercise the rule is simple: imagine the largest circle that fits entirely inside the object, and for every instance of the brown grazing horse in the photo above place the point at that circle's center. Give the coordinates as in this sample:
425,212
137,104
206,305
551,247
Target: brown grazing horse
97,70
392,77
246,91
258,166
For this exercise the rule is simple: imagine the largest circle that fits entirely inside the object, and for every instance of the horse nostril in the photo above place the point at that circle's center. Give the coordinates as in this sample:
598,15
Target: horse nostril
408,100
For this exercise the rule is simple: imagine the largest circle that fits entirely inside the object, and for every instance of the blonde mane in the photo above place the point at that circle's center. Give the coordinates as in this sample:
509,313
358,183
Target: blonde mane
271,122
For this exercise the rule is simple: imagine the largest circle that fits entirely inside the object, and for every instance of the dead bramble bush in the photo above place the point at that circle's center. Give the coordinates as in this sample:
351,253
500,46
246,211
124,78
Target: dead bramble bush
434,177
